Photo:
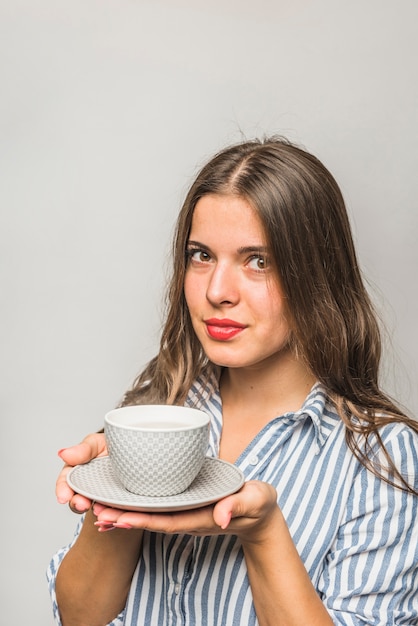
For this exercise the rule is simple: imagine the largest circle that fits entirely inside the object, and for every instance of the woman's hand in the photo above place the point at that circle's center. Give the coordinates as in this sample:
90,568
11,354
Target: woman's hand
246,513
92,446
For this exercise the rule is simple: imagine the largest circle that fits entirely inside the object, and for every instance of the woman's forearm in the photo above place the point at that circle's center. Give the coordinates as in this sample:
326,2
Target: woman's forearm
94,577
282,590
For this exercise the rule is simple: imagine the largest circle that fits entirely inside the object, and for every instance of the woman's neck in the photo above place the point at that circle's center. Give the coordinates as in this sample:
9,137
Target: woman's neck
252,397
280,385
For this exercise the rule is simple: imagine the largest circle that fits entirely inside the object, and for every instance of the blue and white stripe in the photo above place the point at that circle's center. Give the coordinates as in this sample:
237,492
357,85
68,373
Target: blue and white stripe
357,535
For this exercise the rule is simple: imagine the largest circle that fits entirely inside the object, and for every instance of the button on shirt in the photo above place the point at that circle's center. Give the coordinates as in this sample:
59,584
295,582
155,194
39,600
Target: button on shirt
357,535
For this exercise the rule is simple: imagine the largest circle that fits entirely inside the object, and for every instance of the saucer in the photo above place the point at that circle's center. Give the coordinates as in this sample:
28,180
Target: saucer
97,481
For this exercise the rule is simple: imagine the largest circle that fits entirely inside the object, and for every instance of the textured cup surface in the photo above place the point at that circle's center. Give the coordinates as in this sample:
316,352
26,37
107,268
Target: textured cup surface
156,450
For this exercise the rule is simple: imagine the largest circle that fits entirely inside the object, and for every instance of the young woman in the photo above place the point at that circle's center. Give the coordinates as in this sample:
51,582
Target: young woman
270,330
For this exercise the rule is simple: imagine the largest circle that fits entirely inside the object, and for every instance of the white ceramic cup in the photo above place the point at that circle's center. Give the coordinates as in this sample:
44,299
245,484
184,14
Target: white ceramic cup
156,450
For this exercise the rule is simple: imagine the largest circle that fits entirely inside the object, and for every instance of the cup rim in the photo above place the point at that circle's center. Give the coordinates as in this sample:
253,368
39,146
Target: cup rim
123,417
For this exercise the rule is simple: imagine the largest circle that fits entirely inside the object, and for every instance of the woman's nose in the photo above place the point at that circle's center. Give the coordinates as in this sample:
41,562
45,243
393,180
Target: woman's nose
223,285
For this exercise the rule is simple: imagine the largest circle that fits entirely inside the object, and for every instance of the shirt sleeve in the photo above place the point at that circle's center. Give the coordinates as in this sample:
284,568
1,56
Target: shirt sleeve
371,575
51,576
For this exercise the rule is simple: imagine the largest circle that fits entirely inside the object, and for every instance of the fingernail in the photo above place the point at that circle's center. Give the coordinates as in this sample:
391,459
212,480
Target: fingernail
226,522
61,451
105,529
122,525
103,523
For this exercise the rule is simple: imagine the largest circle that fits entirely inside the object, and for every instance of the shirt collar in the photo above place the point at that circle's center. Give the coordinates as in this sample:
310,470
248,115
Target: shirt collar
322,414
316,407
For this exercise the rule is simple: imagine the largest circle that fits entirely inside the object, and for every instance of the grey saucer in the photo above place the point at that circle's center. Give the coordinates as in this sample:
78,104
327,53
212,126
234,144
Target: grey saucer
96,480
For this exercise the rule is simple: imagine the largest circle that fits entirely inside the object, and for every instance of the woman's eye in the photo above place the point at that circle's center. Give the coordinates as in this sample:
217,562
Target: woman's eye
198,256
258,263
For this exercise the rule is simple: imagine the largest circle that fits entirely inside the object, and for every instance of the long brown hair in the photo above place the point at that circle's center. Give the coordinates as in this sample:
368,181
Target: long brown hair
334,326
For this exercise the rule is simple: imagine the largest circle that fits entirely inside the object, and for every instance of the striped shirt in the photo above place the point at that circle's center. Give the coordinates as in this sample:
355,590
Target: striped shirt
356,535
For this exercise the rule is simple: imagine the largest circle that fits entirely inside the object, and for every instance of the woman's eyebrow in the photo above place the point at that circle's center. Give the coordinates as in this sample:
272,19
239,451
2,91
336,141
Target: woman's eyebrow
197,244
253,249
240,250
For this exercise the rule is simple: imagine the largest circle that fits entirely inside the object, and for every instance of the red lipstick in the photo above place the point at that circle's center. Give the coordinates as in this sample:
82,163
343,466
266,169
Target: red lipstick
223,329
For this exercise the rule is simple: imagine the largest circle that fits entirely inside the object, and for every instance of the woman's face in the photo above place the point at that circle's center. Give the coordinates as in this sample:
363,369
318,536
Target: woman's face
231,288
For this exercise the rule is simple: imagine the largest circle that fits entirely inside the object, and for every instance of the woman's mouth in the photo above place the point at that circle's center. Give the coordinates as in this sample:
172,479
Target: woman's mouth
223,329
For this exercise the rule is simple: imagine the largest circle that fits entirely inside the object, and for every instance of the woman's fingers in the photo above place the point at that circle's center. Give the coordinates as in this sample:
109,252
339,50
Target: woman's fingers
241,513
63,491
92,446
65,495
195,522
247,508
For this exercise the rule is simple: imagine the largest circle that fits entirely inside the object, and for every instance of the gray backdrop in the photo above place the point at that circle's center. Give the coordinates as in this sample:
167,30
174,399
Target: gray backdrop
107,108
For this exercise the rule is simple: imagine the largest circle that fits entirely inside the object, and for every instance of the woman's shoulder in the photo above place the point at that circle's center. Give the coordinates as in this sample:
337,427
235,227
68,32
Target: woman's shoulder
401,431
395,444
